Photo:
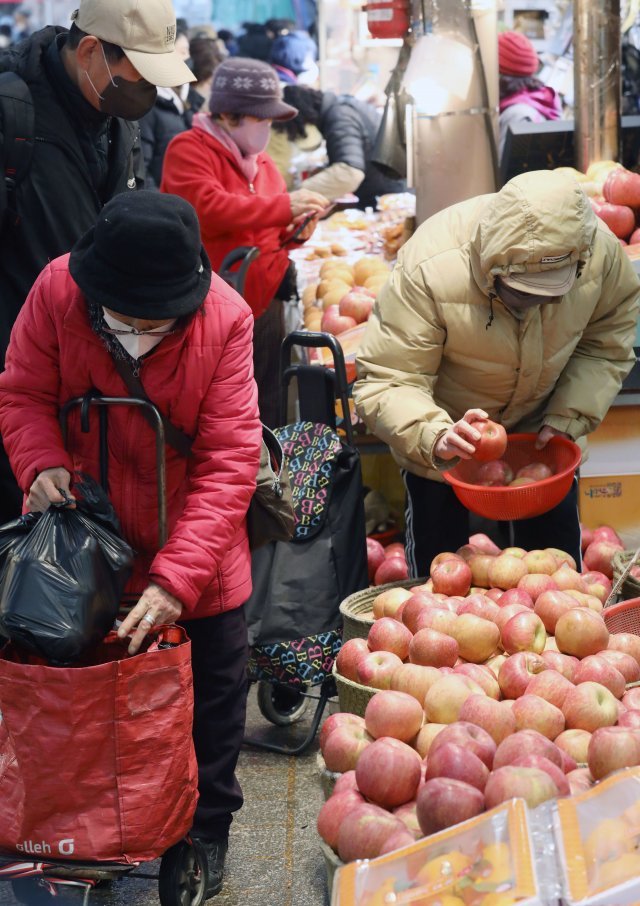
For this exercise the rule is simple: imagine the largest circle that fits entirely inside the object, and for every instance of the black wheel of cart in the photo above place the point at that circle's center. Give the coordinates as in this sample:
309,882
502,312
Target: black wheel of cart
280,704
30,891
183,878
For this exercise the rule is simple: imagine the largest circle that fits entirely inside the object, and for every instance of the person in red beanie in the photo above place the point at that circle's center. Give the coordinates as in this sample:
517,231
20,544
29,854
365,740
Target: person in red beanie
522,95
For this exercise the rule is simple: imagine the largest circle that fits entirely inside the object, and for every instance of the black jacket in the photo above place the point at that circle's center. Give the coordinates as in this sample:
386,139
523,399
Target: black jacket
349,128
81,159
163,122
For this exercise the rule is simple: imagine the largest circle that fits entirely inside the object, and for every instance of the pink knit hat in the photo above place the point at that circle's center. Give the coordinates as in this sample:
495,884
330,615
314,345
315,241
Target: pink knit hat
516,55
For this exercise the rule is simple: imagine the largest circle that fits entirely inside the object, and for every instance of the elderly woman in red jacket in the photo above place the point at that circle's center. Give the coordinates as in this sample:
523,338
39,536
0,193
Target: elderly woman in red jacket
138,288
220,167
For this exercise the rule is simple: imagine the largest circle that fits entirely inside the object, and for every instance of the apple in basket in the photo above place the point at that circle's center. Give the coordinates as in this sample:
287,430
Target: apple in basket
538,471
364,831
393,714
611,749
348,657
599,556
513,782
469,736
526,742
357,304
494,474
335,323
493,716
392,569
581,631
339,719
443,802
492,443
333,813
375,556
388,772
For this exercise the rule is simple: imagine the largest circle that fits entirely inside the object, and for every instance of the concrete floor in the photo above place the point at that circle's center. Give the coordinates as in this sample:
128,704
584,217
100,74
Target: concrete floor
274,856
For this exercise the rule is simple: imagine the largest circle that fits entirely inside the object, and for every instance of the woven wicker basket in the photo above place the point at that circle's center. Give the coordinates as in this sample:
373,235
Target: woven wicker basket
352,697
357,612
630,588
327,778
331,863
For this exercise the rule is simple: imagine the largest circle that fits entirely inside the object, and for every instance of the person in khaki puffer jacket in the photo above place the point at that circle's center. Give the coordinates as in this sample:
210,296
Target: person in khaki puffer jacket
519,306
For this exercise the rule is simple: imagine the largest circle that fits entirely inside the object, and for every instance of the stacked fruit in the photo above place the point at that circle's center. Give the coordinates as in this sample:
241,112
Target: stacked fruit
614,193
498,679
386,564
345,295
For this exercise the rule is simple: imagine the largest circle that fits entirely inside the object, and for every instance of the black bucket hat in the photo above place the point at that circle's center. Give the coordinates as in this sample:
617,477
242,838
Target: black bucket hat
143,257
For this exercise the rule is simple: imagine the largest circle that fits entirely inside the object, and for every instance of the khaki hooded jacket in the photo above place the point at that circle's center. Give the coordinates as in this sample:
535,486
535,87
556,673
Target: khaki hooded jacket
440,342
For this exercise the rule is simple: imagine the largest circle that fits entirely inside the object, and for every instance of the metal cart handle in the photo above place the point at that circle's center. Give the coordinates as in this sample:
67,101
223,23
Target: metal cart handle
319,341
237,279
92,398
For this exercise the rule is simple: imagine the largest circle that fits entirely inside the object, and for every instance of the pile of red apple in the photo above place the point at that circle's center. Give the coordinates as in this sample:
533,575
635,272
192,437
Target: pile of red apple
498,679
619,203
499,474
386,564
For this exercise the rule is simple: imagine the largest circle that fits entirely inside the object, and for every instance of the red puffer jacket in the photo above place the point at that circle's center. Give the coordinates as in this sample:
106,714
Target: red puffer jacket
200,377
232,211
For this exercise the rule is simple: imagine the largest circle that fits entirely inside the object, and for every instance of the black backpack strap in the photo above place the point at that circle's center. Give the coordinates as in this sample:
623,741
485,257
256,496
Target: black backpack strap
17,130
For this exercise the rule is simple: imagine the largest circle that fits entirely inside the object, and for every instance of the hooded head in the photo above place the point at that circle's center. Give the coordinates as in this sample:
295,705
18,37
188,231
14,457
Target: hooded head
539,221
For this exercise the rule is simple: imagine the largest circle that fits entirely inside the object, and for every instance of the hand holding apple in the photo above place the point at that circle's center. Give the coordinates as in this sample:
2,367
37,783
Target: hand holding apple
492,443
461,438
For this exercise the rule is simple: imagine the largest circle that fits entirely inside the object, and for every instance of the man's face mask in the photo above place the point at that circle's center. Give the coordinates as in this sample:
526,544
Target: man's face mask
129,100
519,302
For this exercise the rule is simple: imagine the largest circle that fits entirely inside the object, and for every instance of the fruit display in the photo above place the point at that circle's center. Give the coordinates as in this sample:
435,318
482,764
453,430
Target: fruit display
344,294
487,861
590,854
385,564
497,678
614,194
598,841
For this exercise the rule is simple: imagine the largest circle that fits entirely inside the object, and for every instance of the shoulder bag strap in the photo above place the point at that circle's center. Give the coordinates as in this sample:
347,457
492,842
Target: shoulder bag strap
176,438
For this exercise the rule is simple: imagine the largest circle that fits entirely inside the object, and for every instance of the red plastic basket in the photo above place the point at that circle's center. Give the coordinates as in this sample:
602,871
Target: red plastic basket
623,617
505,503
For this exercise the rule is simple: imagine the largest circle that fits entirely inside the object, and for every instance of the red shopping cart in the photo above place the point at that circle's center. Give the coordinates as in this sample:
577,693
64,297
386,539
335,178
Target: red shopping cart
146,811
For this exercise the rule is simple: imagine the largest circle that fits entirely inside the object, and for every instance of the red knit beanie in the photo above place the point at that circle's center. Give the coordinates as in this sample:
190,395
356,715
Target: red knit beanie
516,55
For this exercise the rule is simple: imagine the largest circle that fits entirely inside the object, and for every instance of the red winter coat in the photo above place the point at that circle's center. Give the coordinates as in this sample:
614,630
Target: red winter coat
231,210
200,377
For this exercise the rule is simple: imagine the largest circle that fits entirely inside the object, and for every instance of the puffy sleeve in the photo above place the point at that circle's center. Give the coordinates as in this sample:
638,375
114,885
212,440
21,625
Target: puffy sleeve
604,355
397,368
30,389
222,474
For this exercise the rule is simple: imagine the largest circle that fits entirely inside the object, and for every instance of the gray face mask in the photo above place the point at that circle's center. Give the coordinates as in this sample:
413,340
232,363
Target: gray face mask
519,302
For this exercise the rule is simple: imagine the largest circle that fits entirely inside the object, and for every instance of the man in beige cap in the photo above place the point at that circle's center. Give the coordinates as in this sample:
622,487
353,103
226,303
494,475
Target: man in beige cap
84,88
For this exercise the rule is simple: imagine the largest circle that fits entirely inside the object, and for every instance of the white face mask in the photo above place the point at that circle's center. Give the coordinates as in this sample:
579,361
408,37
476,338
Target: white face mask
136,342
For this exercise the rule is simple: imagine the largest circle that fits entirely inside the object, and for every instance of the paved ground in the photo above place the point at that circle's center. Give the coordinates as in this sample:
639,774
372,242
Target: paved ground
274,857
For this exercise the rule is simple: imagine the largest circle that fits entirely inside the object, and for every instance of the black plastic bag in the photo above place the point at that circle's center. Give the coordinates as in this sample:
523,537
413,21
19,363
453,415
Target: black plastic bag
61,584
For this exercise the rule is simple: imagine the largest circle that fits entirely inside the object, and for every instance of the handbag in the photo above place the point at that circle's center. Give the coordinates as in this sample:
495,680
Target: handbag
270,516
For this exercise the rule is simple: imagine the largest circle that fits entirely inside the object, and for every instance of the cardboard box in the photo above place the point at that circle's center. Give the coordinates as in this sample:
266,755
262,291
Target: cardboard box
609,488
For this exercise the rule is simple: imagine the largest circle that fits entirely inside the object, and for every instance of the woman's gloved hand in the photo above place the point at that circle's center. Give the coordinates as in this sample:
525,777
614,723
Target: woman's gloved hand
460,439
155,607
45,489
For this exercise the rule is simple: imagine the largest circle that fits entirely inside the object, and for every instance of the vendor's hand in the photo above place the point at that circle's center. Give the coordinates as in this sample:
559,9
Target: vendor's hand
305,202
460,439
546,433
44,490
154,603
